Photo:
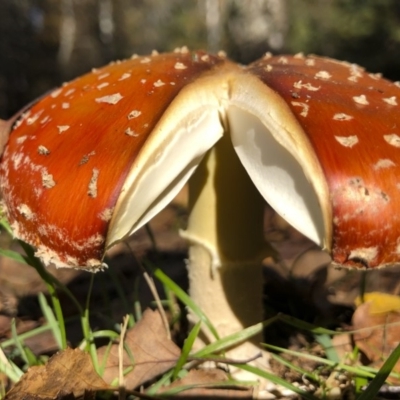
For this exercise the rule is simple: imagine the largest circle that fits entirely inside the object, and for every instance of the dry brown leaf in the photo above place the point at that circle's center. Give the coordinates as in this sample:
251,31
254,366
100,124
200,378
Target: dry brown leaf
68,374
152,351
202,377
377,333
343,345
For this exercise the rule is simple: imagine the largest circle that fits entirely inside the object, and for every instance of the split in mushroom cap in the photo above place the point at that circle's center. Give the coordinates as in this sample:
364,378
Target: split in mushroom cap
332,123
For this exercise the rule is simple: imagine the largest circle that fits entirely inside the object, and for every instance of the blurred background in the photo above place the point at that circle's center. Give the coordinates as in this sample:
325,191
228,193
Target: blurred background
46,42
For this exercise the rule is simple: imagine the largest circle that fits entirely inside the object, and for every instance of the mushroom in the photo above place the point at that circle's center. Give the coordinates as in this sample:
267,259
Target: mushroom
314,137
346,139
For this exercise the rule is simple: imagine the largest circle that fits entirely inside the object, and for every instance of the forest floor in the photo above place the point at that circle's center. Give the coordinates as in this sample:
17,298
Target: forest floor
303,285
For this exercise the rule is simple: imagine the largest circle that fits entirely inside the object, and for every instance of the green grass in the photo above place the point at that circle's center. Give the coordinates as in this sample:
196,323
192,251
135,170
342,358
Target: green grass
16,357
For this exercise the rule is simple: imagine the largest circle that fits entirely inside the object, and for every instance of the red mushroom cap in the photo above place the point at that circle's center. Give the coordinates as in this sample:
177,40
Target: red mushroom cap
94,160
68,157
350,118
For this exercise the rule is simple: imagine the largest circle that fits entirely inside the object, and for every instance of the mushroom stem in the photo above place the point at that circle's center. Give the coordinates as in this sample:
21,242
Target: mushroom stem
227,245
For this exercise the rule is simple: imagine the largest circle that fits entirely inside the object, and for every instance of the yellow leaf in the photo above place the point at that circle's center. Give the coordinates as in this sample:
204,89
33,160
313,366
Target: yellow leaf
380,302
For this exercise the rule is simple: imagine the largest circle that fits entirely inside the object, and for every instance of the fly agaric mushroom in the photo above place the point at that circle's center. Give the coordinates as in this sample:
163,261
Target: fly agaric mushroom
314,137
346,138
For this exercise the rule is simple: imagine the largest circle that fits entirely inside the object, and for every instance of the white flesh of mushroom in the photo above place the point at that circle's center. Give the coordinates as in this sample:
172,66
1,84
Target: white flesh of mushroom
275,154
276,174
189,128
279,158
225,279
157,178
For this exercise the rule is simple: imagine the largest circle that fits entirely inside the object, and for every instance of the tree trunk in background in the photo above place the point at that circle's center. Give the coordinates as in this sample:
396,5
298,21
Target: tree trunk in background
213,24
255,27
45,42
80,36
15,49
67,32
106,22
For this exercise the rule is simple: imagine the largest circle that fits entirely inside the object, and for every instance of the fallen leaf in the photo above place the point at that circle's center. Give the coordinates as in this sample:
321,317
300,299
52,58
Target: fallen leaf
379,302
377,327
69,374
343,345
153,353
207,383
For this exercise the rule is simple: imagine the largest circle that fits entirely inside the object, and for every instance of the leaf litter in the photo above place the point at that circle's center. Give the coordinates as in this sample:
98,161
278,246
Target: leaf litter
376,322
143,349
68,374
147,352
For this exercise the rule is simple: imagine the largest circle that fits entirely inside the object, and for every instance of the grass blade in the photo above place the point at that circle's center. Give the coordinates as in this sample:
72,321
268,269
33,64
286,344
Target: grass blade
225,343
365,372
277,380
49,281
185,299
187,347
326,342
296,368
25,355
8,368
50,318
381,376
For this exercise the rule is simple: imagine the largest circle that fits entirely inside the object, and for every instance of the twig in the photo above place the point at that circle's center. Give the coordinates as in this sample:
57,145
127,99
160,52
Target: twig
124,326
153,289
